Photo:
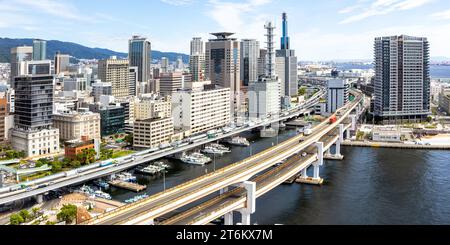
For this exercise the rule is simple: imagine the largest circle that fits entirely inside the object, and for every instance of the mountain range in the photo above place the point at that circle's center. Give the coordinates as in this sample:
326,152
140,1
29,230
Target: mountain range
77,51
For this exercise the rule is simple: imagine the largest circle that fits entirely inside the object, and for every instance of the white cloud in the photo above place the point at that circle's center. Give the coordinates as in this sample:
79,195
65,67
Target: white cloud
178,2
381,7
444,15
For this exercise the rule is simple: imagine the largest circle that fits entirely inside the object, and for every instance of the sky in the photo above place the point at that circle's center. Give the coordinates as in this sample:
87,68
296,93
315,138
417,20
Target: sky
319,29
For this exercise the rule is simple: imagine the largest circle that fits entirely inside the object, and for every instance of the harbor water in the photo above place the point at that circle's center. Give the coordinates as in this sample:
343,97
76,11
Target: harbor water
370,186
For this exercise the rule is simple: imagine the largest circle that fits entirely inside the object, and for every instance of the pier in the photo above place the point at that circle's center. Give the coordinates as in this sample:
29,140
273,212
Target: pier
127,185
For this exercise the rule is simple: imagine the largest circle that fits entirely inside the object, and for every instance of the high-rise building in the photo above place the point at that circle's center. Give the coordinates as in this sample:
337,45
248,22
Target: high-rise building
3,114
222,67
197,67
39,49
153,107
197,46
35,67
286,63
134,74
139,55
179,66
201,110
402,79
264,93
249,61
18,55
75,84
262,62
33,132
62,62
116,72
170,82
164,65
112,118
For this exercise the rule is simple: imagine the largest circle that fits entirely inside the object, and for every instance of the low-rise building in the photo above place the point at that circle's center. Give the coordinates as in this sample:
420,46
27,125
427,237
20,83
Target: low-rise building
386,134
76,147
73,125
36,142
153,106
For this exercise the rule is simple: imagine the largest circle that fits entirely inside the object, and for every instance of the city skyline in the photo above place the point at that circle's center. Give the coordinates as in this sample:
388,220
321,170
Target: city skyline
320,31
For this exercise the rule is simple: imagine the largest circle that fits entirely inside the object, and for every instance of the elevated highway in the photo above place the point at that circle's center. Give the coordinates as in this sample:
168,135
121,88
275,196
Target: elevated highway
147,210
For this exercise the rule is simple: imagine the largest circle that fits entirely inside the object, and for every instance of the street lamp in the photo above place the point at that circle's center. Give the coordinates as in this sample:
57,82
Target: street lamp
164,179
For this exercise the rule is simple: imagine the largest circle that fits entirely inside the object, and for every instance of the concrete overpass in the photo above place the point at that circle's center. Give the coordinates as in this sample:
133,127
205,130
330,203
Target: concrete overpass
147,210
41,187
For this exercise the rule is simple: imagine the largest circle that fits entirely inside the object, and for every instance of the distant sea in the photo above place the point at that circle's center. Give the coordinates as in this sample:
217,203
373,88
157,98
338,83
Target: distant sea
437,71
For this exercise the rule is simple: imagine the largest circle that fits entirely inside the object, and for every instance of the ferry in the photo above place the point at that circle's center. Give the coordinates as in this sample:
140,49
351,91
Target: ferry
238,141
151,169
101,183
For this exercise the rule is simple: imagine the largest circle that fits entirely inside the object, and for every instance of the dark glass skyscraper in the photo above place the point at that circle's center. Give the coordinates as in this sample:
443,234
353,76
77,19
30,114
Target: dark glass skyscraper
139,55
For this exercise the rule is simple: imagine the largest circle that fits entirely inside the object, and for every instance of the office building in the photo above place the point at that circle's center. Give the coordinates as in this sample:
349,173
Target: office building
139,55
264,94
3,115
153,107
170,82
402,79
152,132
116,72
75,83
337,94
222,59
201,110
249,61
18,55
197,47
40,67
197,67
444,100
286,64
33,132
262,62
164,65
39,49
134,73
74,125
112,118
99,89
62,62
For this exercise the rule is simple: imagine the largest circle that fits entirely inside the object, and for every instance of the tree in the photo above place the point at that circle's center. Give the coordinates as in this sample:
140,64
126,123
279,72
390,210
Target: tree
68,213
129,139
35,212
16,219
87,156
302,91
25,214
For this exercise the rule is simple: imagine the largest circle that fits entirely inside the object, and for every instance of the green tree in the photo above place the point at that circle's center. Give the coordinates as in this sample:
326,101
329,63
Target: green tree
68,213
25,214
35,212
87,156
16,219
129,139
302,91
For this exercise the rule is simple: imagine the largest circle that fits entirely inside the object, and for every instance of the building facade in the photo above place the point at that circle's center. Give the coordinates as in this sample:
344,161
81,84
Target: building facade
18,55
222,66
75,125
39,49
62,62
201,110
337,94
153,107
402,79
152,132
117,73
170,82
249,61
140,56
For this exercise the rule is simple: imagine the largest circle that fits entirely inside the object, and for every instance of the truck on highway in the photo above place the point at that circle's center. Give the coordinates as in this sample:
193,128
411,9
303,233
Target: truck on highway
71,173
106,163
333,119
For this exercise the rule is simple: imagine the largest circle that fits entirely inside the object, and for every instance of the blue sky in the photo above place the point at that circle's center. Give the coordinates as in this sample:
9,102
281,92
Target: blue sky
319,30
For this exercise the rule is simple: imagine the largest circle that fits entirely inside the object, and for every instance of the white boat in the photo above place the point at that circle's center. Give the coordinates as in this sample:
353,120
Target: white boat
239,141
126,177
212,150
196,159
221,147
102,194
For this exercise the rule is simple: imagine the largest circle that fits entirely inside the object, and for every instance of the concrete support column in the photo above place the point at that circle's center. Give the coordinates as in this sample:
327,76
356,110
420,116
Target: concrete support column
347,132
319,162
40,198
353,117
250,208
228,218
245,220
305,173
